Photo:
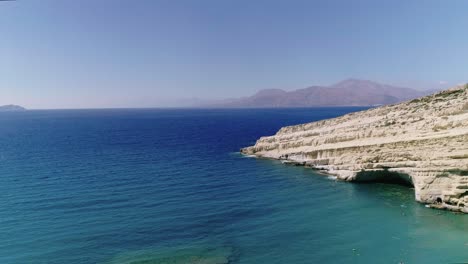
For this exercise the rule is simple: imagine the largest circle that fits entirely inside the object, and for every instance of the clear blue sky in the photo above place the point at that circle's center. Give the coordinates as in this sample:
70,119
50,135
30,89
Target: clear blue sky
112,53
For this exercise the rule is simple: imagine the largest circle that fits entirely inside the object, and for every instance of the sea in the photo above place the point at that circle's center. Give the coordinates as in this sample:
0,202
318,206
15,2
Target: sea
154,186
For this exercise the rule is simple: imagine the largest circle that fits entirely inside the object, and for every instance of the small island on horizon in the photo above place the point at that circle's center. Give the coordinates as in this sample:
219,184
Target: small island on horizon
12,108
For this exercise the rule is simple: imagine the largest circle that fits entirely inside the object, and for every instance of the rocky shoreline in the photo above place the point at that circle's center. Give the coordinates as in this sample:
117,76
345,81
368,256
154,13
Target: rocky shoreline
422,143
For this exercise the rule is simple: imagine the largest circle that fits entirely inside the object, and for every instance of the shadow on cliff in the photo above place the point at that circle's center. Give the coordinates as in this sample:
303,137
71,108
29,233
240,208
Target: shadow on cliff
384,176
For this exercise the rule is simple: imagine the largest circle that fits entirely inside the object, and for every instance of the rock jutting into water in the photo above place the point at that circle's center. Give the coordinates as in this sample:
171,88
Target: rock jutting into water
423,142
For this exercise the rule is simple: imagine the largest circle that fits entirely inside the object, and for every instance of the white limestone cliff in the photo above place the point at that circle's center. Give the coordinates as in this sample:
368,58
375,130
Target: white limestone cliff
423,142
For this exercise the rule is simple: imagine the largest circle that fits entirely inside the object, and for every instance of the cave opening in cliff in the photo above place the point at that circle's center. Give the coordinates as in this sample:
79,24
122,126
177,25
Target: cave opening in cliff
384,176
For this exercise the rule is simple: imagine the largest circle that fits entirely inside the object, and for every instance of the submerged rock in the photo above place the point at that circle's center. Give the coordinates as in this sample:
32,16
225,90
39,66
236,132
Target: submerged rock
423,142
176,256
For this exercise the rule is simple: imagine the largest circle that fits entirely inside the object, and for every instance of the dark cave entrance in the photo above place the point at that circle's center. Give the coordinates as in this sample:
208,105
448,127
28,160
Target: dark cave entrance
384,176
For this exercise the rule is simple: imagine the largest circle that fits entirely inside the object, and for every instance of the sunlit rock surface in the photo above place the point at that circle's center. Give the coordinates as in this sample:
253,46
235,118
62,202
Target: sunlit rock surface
423,142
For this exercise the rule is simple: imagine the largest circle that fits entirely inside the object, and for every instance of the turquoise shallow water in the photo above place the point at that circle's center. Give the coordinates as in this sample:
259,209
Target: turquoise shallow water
168,186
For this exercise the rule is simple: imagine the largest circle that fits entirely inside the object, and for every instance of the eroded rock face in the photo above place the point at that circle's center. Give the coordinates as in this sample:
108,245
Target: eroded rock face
423,142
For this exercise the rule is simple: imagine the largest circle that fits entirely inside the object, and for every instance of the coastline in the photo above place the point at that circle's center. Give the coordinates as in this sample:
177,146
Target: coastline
422,142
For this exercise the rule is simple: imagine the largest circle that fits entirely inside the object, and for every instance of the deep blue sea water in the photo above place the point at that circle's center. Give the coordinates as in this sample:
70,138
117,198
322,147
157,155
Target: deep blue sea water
168,186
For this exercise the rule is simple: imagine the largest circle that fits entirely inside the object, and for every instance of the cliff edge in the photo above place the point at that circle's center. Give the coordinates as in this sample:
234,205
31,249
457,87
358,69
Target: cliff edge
422,142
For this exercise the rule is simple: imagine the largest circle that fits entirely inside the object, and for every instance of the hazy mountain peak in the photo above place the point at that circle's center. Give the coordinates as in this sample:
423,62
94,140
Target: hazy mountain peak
270,92
353,82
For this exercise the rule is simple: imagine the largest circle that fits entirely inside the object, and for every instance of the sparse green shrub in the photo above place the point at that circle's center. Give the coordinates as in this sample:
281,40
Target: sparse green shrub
449,93
442,127
459,156
445,174
459,172
389,123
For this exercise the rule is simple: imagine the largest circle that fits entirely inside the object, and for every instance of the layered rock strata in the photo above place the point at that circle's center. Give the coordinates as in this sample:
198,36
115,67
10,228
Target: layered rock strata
423,142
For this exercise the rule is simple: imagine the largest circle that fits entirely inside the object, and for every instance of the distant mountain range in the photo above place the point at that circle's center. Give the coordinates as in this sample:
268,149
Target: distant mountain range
11,108
351,92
